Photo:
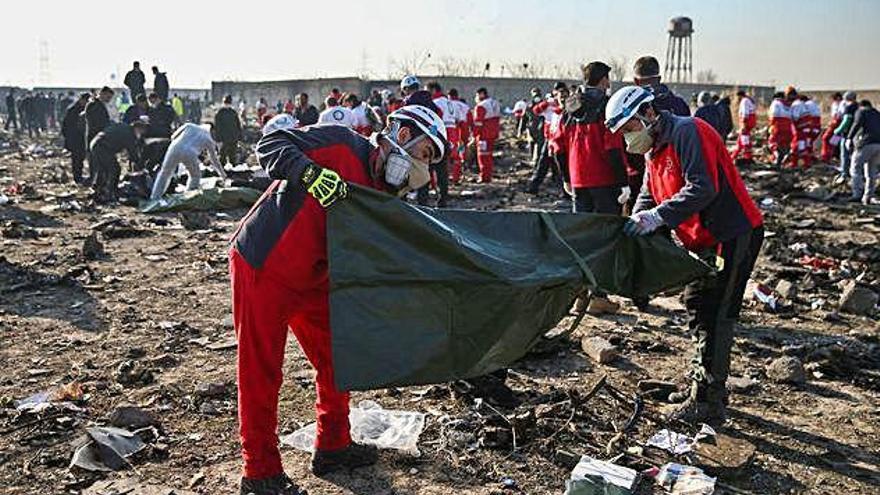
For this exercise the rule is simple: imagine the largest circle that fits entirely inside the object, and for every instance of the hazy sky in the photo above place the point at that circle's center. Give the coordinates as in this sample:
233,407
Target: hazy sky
809,43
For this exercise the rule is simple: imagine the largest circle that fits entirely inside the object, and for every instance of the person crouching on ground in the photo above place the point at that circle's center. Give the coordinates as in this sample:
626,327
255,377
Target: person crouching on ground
278,267
187,143
692,186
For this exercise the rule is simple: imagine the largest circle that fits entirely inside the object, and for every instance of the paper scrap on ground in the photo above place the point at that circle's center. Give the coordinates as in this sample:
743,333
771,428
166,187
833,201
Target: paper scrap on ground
678,443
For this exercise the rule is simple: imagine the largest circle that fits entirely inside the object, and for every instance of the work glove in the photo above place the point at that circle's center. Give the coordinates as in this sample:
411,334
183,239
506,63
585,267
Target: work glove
324,185
624,195
643,223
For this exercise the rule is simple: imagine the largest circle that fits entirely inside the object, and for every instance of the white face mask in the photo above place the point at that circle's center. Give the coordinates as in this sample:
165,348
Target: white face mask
402,171
639,142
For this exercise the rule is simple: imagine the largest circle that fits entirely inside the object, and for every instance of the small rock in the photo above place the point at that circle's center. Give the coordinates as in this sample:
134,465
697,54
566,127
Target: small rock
599,349
740,384
195,220
787,369
566,459
133,373
857,299
164,361
211,390
197,479
92,247
209,409
786,289
133,417
135,352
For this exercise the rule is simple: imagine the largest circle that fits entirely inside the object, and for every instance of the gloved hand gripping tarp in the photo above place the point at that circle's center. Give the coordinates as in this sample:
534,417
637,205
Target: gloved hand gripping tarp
427,296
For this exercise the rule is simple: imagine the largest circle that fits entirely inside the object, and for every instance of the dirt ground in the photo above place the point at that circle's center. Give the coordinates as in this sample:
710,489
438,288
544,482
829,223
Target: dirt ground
146,322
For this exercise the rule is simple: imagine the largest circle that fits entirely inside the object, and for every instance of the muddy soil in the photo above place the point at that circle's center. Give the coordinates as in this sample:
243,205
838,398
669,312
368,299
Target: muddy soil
143,319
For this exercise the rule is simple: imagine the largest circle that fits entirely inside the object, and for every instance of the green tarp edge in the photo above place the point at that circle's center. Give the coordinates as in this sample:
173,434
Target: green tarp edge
223,198
424,296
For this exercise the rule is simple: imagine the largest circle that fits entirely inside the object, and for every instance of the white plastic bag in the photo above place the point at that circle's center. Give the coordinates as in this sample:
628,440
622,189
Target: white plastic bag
371,425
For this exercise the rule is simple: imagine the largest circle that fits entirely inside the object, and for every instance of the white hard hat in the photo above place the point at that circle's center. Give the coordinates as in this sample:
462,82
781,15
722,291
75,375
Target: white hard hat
280,121
428,122
624,104
408,81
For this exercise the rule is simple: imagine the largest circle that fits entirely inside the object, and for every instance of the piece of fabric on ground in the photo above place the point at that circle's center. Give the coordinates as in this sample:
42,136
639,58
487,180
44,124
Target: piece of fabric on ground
203,199
424,296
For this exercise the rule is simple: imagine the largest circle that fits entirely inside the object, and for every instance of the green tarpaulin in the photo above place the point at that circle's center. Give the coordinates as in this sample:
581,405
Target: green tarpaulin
203,199
427,296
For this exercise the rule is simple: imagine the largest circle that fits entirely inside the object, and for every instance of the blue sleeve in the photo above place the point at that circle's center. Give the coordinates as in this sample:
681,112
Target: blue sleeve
698,190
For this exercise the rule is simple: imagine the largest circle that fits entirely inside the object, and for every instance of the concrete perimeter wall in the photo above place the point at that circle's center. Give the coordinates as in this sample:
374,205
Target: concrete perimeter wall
506,90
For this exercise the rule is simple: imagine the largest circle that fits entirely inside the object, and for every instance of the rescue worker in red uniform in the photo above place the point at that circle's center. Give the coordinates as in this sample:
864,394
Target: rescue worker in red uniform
462,119
692,186
830,142
781,133
596,174
278,267
800,118
748,119
814,119
551,154
448,112
487,126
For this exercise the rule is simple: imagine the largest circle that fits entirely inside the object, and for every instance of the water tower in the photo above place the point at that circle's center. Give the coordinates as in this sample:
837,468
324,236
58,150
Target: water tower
679,50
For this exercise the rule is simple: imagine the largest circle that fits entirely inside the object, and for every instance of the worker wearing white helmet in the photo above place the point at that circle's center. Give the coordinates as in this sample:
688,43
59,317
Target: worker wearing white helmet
692,186
278,266
409,85
280,121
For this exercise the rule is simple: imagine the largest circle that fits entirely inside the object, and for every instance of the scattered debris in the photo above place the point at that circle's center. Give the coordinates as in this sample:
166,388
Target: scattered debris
132,486
106,449
763,294
678,443
685,480
594,476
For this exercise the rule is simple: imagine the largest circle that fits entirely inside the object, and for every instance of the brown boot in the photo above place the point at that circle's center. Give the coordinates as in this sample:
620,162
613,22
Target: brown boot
353,456
602,306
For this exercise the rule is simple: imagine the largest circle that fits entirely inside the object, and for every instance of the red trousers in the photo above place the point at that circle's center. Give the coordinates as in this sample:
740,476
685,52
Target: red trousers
452,135
801,148
263,308
485,159
743,144
830,144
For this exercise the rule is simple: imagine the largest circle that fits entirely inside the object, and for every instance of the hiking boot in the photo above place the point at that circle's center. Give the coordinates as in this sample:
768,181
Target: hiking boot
694,411
276,485
353,456
602,306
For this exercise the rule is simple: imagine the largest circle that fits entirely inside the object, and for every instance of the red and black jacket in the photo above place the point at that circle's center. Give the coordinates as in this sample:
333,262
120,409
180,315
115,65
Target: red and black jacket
700,193
287,225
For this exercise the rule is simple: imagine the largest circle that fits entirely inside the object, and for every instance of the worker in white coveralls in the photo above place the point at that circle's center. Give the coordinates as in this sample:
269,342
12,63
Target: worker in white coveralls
187,143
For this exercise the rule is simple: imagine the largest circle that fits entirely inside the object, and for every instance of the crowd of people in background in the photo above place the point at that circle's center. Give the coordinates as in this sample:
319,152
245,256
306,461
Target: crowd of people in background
795,136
